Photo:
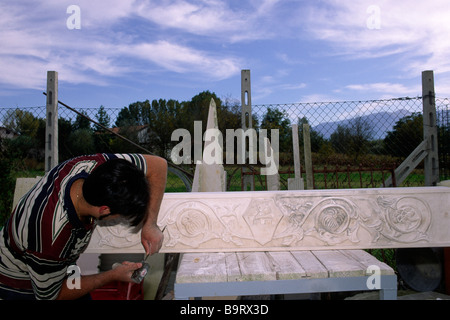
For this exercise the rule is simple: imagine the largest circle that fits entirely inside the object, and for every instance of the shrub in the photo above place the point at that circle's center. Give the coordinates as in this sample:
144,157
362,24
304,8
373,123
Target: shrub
7,189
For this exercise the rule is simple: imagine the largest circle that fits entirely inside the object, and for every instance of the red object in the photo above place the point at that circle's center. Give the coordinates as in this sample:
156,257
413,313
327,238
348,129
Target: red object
119,291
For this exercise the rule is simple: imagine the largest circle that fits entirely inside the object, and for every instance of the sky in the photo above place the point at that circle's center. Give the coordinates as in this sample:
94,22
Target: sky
117,52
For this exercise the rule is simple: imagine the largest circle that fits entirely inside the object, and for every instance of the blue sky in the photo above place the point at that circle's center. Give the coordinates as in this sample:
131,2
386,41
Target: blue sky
298,51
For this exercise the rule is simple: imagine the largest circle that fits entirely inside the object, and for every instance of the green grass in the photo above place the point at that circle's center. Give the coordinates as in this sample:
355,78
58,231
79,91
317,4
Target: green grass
343,179
174,183
330,180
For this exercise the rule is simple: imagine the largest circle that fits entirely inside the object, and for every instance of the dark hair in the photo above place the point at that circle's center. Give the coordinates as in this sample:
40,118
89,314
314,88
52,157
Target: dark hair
121,186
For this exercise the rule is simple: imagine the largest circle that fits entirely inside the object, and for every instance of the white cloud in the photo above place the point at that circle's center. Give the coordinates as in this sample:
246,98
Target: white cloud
416,29
293,86
317,97
394,88
183,59
212,40
214,18
199,18
106,46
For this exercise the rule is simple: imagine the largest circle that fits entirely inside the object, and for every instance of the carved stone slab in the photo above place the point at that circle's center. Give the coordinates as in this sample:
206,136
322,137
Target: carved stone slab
293,220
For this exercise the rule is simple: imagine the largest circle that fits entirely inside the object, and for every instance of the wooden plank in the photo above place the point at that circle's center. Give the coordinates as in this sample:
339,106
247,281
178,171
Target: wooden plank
202,267
232,267
312,266
339,265
255,266
367,260
286,266
259,266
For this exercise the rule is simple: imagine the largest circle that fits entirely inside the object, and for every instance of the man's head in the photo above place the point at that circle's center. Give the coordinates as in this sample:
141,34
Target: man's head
121,186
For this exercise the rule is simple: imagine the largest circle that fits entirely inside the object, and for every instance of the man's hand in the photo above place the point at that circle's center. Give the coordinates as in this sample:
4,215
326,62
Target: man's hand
124,271
152,239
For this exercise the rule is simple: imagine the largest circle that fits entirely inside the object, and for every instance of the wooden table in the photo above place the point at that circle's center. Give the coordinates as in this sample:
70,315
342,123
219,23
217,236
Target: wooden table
267,273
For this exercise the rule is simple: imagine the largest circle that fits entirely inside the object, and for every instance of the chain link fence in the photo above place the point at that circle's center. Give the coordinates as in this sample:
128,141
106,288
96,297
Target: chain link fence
354,143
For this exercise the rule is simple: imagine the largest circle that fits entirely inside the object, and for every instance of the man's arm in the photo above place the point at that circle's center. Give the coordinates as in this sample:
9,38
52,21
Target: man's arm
151,235
95,281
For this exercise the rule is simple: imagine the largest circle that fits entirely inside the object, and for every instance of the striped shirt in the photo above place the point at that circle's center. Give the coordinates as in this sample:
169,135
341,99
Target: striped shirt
44,235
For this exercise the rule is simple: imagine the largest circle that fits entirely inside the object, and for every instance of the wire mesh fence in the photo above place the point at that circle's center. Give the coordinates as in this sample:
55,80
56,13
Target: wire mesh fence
354,144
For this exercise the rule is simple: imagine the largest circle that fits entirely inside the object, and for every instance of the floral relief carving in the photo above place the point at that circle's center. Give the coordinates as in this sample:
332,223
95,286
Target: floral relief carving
262,217
403,219
335,220
118,235
287,220
190,224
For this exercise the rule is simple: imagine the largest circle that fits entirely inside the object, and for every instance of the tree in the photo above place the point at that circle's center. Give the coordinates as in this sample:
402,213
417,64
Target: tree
354,139
276,119
81,142
361,133
340,139
317,138
129,121
197,110
136,114
64,131
102,118
81,122
406,135
163,119
21,122
230,114
7,182
102,139
28,127
20,147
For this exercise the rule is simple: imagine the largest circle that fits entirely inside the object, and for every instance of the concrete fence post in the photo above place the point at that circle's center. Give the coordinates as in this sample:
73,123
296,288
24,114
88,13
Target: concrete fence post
246,121
308,156
430,133
51,126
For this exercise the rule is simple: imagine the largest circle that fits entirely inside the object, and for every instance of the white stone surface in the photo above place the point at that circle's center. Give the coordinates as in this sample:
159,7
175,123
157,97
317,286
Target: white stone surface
293,220
23,185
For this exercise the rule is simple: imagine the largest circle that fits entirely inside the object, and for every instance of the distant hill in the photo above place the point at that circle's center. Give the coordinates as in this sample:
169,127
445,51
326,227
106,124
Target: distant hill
381,122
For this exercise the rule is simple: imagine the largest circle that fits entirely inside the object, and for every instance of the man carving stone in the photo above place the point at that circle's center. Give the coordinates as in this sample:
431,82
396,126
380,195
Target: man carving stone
52,224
